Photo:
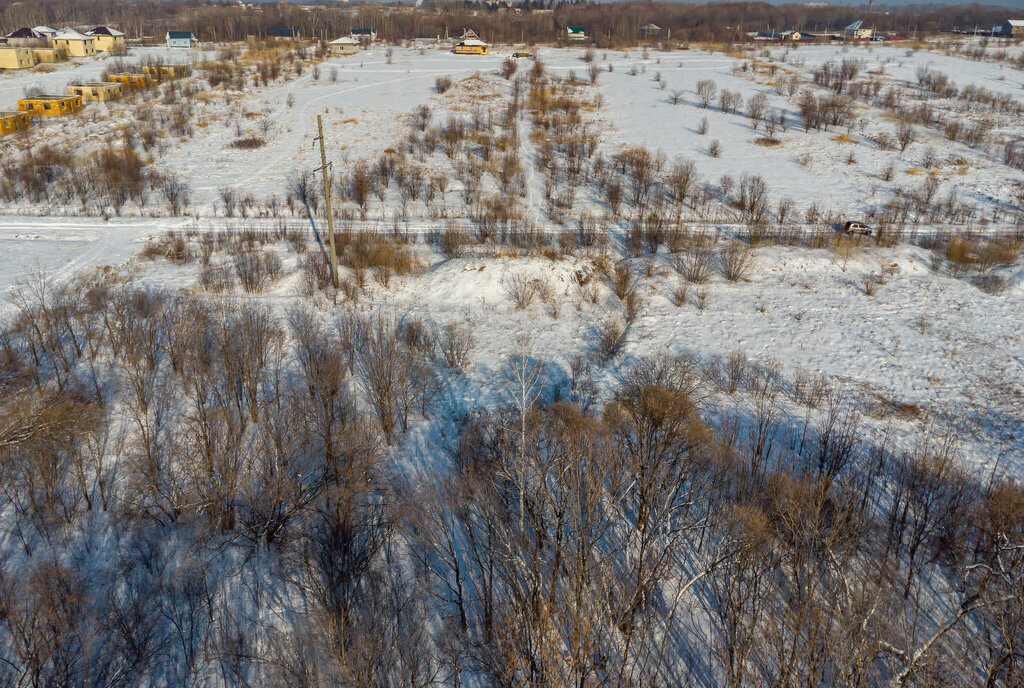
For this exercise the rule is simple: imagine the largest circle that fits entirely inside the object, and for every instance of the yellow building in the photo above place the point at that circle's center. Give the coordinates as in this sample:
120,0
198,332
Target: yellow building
131,80
50,105
471,46
16,58
164,72
76,44
11,122
49,55
108,40
346,45
101,91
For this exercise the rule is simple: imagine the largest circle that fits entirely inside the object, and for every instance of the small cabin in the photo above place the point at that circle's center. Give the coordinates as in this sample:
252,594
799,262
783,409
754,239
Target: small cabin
180,39
166,72
287,34
134,80
74,43
575,33
108,40
100,91
11,122
471,46
49,55
346,45
50,105
858,32
364,35
16,58
1012,28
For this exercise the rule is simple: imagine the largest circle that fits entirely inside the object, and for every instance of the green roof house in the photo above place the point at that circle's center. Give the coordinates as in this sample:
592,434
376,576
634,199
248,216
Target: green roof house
576,33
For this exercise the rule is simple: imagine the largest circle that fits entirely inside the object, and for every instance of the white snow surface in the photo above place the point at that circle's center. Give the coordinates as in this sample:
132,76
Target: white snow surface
925,345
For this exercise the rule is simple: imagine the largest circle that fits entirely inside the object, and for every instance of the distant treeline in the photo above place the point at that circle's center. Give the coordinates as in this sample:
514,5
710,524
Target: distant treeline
609,24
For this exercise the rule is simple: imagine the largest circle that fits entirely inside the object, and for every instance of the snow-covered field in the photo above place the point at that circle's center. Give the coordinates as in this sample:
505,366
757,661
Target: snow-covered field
791,455
926,345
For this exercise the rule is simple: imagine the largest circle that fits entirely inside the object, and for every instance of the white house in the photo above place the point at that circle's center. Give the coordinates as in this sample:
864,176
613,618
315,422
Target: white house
858,32
346,45
180,39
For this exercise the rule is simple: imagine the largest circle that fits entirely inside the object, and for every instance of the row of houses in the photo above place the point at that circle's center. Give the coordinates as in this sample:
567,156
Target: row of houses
56,105
27,47
468,44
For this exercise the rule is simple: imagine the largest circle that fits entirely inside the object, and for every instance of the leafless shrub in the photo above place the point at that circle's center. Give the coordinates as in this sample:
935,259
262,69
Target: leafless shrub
316,274
421,117
702,300
521,289
257,270
442,84
248,143
715,149
990,283
611,337
217,279
736,370
453,241
871,284
905,135
679,293
809,390
696,261
455,342
736,261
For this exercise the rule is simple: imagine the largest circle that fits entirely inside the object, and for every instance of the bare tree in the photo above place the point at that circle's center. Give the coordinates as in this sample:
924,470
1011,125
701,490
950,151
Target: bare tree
706,90
905,135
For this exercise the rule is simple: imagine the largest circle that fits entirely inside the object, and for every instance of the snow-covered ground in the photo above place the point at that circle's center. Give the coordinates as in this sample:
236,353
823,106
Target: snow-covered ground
924,345
365,101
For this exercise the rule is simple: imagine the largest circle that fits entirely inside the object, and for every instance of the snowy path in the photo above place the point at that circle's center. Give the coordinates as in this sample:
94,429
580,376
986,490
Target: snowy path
64,246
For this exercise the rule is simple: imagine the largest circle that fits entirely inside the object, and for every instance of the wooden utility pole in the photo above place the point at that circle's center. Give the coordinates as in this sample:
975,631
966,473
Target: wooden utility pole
327,197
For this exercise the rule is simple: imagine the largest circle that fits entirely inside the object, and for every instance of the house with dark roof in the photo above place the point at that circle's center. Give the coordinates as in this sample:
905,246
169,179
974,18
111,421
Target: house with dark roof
26,37
180,39
286,34
364,35
108,40
575,33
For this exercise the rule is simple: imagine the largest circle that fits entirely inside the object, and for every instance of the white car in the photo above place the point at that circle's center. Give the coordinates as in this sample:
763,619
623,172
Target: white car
854,227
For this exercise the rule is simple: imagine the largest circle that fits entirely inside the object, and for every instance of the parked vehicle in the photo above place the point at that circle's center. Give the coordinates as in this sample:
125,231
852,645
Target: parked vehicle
859,228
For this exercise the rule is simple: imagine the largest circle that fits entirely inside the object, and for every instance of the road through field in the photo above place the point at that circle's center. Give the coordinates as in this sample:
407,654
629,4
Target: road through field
62,247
